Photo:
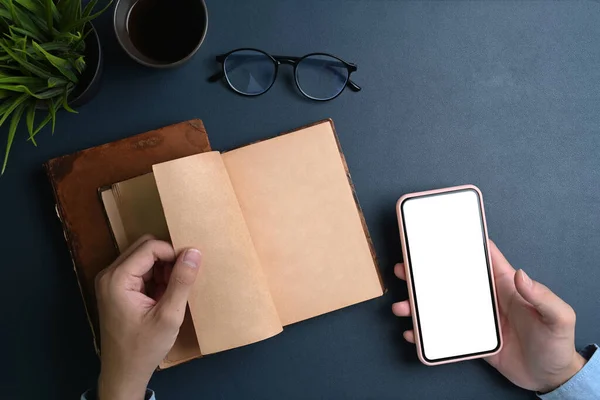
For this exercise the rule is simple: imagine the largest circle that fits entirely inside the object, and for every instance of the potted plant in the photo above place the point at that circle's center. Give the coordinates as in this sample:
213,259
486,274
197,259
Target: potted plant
50,59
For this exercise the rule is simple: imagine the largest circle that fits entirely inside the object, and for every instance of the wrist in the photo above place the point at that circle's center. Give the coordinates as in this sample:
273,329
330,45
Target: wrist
570,371
576,366
123,387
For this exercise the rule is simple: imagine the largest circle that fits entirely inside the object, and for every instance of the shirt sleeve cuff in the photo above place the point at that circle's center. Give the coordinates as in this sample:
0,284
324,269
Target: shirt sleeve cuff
91,395
584,385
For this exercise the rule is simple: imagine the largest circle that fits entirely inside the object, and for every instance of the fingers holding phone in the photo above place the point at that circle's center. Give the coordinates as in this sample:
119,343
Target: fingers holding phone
402,308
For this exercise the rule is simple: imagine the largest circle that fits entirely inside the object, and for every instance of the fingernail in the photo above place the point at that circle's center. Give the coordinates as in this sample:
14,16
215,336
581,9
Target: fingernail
192,257
526,279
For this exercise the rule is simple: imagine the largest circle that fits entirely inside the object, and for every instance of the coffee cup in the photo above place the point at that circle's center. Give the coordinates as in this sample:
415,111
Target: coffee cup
161,33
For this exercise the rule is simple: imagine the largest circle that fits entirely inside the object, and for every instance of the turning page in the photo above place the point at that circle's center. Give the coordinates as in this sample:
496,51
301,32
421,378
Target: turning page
230,303
300,209
133,209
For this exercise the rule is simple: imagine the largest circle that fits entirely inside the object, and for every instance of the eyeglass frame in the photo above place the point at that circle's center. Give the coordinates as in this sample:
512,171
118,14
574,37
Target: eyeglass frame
287,60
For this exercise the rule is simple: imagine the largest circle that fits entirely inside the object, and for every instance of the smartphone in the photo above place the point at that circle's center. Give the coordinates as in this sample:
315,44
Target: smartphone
449,275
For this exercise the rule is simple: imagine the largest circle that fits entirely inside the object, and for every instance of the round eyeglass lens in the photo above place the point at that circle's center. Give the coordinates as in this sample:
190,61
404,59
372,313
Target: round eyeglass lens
250,72
321,77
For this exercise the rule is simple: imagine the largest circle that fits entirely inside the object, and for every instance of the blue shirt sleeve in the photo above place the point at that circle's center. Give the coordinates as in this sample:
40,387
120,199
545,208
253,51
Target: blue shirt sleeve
584,385
91,395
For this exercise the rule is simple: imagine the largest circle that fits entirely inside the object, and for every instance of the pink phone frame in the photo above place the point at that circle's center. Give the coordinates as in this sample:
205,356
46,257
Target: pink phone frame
409,277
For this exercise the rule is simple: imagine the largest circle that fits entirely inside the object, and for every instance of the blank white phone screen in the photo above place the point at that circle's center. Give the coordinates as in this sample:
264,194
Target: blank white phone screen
451,283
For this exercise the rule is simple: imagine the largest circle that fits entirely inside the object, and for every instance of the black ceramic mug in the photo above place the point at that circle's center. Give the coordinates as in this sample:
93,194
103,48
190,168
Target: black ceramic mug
161,33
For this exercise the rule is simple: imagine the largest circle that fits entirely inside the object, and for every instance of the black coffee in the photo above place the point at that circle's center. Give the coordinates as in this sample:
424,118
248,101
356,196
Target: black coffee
166,30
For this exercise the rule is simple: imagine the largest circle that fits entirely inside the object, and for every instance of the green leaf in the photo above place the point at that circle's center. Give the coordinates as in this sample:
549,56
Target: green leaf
80,23
65,103
23,32
22,80
54,81
32,6
41,23
11,7
20,89
35,11
10,67
79,64
49,18
55,13
50,93
23,20
14,122
69,37
60,64
52,46
23,43
4,13
89,8
85,35
25,64
42,124
30,119
11,107
52,108
70,10
4,106
17,88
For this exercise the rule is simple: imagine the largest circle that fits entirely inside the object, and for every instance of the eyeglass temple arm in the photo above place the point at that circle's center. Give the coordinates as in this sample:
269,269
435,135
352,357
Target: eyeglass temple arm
216,77
353,86
220,75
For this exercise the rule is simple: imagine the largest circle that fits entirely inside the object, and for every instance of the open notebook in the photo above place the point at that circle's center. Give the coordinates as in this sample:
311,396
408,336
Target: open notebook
282,235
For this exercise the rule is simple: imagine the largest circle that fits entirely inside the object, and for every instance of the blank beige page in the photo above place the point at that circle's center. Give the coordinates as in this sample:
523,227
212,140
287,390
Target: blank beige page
230,304
300,210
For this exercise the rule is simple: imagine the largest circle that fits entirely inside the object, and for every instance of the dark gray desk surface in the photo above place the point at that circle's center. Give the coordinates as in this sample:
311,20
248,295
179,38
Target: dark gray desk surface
504,95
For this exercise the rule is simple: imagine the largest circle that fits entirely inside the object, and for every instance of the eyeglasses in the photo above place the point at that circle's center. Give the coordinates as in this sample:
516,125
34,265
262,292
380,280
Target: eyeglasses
318,76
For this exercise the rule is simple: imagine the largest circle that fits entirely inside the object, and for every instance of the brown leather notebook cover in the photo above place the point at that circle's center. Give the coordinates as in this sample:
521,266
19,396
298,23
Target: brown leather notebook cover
75,180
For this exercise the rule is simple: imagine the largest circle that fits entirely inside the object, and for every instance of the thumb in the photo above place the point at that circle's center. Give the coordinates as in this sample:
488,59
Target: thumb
551,307
180,284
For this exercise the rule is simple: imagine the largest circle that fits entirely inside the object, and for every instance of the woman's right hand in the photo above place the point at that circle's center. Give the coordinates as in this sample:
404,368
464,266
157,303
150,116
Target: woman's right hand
538,329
